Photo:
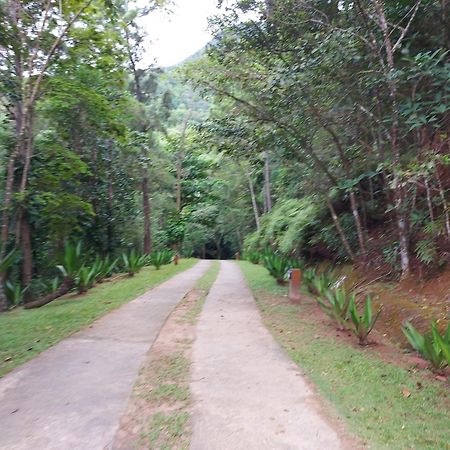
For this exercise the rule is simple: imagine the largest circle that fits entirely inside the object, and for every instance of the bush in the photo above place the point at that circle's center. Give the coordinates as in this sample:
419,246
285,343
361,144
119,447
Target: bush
133,262
161,258
276,265
253,257
363,325
433,346
335,304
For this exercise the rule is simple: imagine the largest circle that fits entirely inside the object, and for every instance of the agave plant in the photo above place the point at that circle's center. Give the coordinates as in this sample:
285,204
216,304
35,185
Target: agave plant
104,268
277,266
72,260
85,279
433,346
335,304
308,277
14,292
363,324
158,259
322,283
133,262
253,257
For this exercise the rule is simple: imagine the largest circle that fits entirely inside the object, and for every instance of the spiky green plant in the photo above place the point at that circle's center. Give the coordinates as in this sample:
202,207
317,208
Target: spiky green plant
72,260
335,303
14,292
363,324
85,278
133,262
253,257
322,283
433,346
277,266
308,277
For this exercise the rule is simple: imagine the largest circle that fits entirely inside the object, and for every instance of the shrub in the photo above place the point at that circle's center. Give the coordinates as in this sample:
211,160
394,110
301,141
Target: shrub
161,258
335,304
433,346
85,278
276,265
72,260
14,292
322,283
253,257
363,324
133,262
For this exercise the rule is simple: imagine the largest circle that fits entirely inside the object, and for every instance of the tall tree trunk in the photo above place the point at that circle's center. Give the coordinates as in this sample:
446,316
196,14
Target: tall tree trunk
147,213
267,188
253,197
398,189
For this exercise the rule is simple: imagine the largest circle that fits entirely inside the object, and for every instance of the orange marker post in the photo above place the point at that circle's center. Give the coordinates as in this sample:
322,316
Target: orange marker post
294,285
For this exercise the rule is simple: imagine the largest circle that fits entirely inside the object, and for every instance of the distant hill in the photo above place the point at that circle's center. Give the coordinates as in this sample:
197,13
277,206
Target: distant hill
184,98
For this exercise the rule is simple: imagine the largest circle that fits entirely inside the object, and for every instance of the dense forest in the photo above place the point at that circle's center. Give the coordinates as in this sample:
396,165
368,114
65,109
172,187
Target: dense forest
316,128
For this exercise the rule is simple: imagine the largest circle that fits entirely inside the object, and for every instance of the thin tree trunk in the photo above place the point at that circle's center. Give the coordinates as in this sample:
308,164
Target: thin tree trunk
253,197
444,203
429,202
267,188
398,189
147,214
340,230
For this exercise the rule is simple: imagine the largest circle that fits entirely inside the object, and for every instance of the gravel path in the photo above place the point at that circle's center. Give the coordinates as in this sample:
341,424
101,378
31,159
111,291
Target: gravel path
247,393
72,395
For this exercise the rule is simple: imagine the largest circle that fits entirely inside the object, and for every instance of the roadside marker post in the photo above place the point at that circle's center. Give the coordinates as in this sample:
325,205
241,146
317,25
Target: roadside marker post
295,276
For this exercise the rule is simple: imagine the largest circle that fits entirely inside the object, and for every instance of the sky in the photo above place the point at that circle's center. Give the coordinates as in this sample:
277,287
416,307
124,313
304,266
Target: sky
180,34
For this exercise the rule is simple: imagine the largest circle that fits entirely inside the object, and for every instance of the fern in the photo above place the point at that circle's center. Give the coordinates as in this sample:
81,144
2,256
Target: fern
426,251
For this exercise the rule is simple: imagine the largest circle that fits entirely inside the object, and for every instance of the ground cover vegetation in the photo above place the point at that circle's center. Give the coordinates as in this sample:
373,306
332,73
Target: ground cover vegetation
380,394
307,131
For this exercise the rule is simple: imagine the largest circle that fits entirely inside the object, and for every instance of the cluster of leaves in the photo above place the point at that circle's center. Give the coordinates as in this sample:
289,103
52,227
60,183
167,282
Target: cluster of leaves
433,346
340,305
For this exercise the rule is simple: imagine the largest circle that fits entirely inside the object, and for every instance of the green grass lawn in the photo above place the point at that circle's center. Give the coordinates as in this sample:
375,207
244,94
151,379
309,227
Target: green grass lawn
25,333
368,393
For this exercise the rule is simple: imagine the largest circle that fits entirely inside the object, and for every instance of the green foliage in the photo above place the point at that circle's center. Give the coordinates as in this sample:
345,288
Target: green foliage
86,278
72,260
14,292
363,324
321,283
277,265
336,303
160,258
287,226
426,251
8,260
433,346
253,257
133,262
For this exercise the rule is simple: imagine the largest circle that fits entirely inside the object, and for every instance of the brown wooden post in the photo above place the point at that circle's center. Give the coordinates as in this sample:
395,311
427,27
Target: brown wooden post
294,285
237,256
176,259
